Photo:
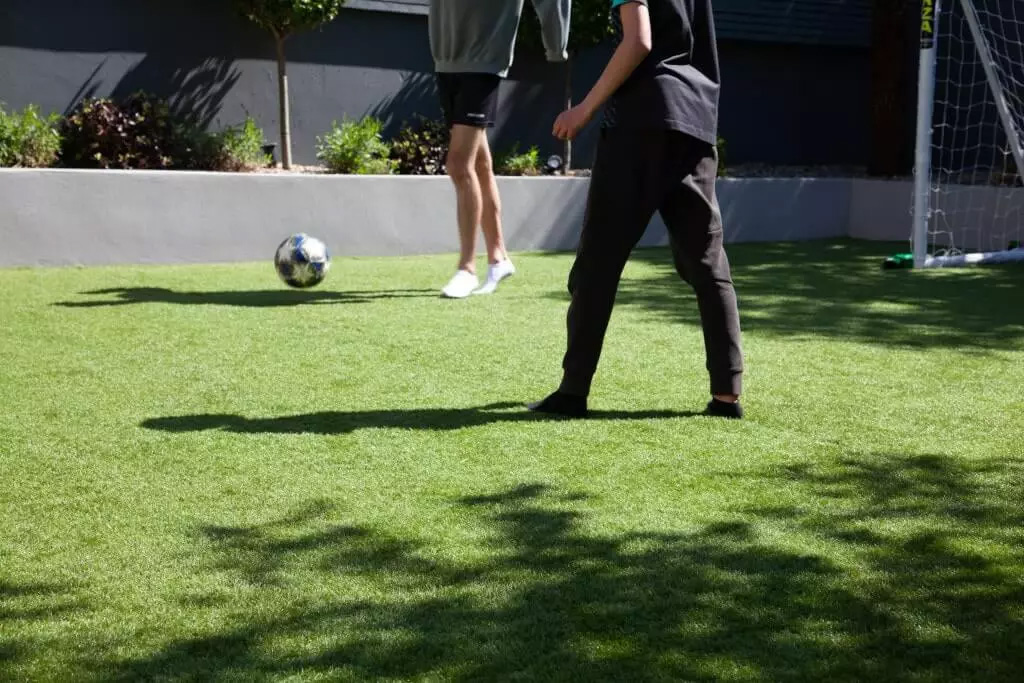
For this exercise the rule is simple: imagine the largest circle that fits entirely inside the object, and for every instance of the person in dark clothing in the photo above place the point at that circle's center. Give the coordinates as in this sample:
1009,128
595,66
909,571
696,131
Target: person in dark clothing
657,152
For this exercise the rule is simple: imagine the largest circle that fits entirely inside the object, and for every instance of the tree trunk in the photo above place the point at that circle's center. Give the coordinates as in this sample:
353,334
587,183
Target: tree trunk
285,109
567,151
892,94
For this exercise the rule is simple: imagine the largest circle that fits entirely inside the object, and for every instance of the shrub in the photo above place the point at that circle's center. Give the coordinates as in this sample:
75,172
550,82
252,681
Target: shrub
421,150
240,148
514,163
139,132
199,150
28,139
356,147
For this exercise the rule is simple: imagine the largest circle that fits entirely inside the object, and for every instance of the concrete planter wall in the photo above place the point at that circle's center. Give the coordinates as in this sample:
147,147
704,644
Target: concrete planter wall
881,210
68,217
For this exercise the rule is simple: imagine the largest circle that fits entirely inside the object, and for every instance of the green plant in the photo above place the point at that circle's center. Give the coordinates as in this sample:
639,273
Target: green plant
721,157
199,150
356,147
421,149
516,164
139,132
284,18
28,139
241,148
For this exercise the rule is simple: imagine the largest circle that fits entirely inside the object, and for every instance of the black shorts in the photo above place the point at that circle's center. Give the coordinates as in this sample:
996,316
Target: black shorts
469,99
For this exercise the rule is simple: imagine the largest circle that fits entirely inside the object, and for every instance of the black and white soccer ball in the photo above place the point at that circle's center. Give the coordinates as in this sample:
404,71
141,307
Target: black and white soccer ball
302,261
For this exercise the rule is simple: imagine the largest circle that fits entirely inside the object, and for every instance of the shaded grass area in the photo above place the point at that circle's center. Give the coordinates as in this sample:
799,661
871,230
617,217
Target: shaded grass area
206,477
430,419
555,601
839,290
643,606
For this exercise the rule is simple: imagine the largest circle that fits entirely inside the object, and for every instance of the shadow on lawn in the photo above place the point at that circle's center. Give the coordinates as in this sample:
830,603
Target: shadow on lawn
343,422
34,600
263,298
930,589
838,289
25,602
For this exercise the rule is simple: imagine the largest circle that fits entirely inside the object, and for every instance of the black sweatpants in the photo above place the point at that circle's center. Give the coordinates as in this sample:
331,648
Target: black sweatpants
635,174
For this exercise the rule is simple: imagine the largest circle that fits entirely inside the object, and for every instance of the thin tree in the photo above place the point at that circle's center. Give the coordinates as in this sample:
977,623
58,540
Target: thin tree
284,18
590,26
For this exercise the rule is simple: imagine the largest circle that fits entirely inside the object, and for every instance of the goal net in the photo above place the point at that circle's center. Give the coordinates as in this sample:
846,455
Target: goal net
968,191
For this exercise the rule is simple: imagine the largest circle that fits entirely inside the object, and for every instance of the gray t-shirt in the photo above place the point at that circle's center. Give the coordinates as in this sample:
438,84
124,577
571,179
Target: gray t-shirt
677,86
479,36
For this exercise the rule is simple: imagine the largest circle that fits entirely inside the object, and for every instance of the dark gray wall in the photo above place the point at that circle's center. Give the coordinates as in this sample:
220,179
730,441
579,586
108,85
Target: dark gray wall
782,104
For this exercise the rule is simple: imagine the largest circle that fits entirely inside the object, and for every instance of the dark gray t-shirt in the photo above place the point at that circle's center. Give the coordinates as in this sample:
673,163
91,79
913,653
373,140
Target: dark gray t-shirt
677,86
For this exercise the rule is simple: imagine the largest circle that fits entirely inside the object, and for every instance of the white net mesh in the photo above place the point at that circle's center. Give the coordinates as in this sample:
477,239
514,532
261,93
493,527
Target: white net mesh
977,200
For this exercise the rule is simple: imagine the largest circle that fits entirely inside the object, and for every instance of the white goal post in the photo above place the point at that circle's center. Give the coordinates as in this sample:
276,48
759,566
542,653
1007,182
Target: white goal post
968,203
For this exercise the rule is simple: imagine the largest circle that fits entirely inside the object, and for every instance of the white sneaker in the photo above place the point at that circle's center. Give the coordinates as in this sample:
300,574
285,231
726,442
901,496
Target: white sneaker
461,285
495,274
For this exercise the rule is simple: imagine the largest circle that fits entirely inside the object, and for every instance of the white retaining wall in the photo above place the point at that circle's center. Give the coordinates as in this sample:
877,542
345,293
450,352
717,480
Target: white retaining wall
981,217
71,217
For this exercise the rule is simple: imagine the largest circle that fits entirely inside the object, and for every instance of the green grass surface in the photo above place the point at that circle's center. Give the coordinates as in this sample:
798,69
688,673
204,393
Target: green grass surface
206,477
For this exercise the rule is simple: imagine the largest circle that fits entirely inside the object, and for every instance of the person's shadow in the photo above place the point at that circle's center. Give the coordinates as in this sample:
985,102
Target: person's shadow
259,298
344,422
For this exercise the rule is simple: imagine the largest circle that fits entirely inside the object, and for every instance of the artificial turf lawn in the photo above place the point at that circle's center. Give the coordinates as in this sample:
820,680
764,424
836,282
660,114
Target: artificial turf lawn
205,476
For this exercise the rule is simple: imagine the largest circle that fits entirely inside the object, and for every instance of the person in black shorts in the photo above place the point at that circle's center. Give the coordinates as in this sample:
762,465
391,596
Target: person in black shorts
657,152
472,42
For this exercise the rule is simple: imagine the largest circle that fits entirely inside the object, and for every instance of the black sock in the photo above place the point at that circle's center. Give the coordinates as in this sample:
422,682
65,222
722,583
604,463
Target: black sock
725,409
561,403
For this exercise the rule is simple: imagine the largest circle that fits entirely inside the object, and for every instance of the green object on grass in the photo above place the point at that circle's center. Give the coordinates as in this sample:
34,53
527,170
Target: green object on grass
899,261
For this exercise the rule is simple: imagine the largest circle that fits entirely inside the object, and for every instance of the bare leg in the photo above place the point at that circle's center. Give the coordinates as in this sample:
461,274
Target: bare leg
491,214
462,168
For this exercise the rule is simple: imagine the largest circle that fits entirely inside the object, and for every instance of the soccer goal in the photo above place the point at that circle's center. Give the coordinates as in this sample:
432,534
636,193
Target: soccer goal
968,203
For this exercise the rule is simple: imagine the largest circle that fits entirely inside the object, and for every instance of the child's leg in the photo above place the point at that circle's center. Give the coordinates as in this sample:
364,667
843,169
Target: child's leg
499,264
625,190
694,223
469,102
491,216
461,164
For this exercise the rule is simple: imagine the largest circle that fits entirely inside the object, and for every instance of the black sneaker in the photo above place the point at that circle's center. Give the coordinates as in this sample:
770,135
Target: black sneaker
558,403
716,408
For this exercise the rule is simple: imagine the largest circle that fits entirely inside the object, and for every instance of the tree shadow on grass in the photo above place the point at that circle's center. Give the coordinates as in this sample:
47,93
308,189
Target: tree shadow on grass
549,599
26,603
344,422
839,290
943,540
35,601
259,299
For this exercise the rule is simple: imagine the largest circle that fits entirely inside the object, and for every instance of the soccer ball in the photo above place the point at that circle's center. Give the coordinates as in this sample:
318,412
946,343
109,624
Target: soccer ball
302,261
